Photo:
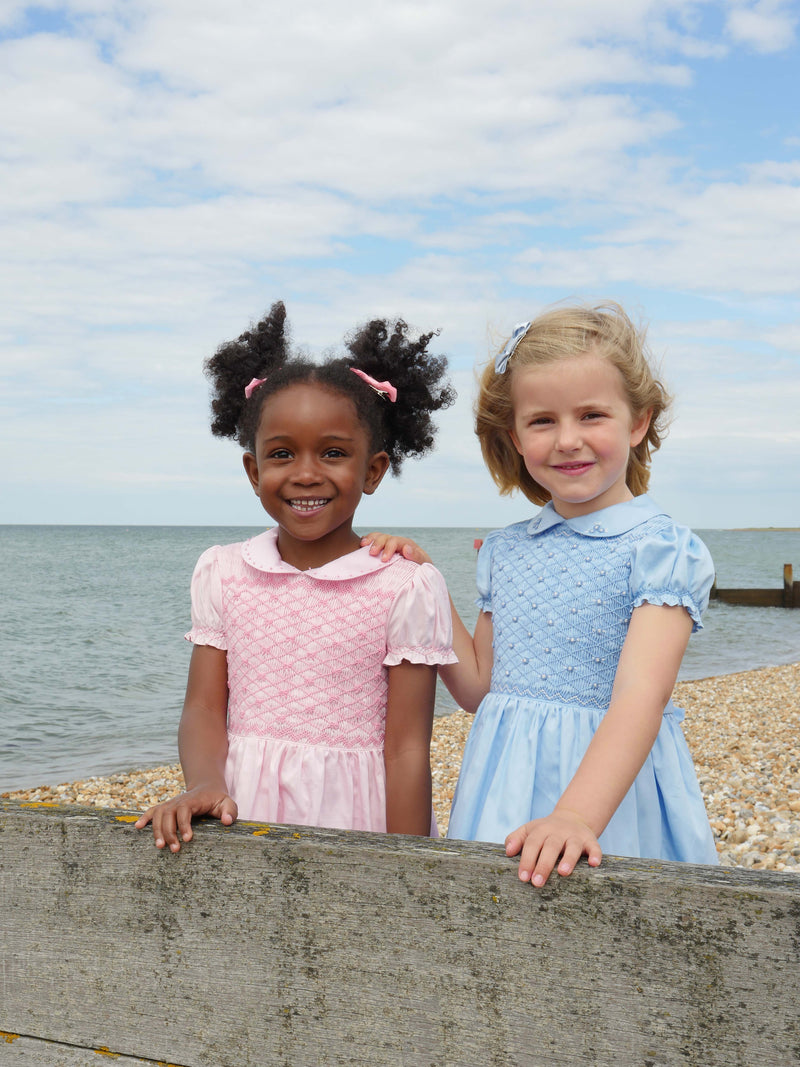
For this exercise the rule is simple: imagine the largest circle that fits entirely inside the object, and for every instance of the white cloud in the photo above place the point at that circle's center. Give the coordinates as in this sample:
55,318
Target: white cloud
739,237
767,25
375,108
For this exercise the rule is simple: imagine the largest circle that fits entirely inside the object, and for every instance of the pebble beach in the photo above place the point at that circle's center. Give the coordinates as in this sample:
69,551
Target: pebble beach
743,731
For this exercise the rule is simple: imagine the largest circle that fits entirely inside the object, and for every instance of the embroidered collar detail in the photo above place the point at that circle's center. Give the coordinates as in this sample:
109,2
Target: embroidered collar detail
262,553
608,522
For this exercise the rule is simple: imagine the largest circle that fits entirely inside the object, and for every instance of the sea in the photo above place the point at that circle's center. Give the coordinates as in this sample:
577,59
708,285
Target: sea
94,659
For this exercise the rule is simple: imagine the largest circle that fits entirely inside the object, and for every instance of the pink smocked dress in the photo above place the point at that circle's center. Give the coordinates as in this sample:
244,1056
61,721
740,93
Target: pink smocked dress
308,653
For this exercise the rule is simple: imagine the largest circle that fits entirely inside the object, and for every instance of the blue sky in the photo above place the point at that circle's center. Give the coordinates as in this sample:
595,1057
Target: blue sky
168,169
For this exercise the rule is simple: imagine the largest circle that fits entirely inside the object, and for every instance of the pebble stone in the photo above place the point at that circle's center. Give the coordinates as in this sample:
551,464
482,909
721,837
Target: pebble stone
742,730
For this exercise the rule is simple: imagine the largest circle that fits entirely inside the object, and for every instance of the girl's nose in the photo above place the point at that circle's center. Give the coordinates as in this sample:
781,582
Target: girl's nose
569,436
306,470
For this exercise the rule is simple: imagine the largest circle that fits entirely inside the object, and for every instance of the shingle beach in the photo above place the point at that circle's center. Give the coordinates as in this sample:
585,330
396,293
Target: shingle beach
743,731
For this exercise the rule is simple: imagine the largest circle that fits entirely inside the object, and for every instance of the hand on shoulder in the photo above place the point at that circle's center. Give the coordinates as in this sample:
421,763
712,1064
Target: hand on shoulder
386,545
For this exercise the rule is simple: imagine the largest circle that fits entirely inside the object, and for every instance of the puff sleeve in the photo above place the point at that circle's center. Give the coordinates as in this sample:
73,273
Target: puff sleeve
207,623
673,567
420,627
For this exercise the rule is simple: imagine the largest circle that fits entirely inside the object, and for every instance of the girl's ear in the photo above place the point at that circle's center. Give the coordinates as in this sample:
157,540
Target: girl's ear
376,468
640,427
251,466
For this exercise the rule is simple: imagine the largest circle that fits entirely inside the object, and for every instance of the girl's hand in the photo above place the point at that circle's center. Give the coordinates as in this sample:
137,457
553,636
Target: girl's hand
560,838
172,820
386,545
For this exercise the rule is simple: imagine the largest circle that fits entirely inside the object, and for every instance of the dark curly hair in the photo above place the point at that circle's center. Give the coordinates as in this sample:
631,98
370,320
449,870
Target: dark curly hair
381,349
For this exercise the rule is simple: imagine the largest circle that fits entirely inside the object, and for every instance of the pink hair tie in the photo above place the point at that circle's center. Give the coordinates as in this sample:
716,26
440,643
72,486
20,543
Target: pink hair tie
254,384
384,388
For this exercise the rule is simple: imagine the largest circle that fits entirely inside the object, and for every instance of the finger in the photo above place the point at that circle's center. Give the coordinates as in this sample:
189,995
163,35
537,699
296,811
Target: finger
529,855
158,831
376,541
413,552
184,822
168,831
546,861
144,819
572,853
229,811
594,855
386,546
516,839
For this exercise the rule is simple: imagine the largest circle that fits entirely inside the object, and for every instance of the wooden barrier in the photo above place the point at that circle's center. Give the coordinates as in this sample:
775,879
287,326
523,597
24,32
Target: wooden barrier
263,945
788,596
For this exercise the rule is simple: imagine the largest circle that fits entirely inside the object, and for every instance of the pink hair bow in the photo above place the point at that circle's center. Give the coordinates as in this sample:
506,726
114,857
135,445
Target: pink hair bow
385,388
253,385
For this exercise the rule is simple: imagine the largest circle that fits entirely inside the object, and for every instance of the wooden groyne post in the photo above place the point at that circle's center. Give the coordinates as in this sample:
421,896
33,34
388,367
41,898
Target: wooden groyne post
269,945
788,596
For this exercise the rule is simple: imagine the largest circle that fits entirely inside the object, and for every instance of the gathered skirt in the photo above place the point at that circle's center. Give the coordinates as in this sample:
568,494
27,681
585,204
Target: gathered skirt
522,753
308,785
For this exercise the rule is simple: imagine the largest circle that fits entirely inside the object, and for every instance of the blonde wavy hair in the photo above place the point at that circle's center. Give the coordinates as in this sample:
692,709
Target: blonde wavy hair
604,330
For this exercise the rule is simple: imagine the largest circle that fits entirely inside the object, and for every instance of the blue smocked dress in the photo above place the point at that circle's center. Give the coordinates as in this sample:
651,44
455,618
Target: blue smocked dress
561,593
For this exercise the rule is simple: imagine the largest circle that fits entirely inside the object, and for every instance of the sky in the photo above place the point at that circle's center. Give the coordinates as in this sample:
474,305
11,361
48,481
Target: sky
170,168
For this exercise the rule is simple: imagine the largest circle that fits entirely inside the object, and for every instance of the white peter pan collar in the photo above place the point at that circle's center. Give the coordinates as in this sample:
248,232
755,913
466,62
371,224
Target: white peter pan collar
262,553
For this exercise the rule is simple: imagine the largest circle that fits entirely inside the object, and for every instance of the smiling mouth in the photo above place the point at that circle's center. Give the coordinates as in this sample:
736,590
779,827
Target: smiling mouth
308,504
574,468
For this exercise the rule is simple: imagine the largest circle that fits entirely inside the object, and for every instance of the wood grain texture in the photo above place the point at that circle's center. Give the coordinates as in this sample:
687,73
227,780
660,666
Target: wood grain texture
30,1052
277,945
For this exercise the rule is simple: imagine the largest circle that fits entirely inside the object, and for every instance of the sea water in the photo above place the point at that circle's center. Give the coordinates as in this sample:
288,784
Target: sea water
94,662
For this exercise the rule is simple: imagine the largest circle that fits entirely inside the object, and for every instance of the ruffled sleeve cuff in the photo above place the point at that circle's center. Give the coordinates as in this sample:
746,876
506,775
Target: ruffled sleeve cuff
674,568
420,626
207,626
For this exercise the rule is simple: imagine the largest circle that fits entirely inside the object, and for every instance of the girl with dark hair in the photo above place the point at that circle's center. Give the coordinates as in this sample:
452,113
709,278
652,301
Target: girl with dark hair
311,685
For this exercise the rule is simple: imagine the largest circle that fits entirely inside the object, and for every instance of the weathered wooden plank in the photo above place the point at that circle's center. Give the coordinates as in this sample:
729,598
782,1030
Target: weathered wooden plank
788,596
279,945
752,598
16,1049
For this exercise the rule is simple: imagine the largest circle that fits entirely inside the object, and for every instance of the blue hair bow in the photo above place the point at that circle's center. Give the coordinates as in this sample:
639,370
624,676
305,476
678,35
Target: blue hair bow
503,357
